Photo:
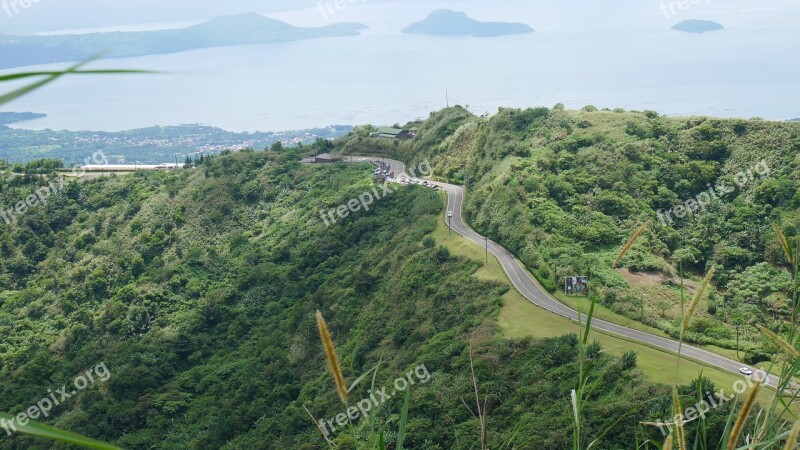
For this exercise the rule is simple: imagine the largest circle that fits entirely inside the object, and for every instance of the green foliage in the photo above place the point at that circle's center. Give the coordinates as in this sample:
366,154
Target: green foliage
587,179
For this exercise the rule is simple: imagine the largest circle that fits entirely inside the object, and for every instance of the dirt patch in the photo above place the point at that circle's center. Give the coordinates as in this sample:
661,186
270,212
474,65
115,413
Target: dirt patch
649,279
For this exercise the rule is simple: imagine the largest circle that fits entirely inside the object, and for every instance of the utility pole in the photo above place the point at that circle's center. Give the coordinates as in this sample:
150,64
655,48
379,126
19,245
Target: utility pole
449,218
737,340
486,240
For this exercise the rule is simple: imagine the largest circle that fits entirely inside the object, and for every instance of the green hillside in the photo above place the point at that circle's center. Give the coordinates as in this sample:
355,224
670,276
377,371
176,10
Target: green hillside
197,290
564,189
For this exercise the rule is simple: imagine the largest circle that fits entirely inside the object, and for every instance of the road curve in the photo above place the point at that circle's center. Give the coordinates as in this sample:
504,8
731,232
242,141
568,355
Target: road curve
531,290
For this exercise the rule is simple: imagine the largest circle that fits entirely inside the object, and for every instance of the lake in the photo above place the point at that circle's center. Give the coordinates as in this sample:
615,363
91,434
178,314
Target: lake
617,54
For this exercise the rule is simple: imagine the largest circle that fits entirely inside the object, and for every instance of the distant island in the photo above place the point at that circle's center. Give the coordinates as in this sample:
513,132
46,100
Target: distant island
698,26
794,120
7,118
453,23
25,50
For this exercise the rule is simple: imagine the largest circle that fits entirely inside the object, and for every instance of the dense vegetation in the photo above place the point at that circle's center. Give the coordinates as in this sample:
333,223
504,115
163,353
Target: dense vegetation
26,50
197,290
562,189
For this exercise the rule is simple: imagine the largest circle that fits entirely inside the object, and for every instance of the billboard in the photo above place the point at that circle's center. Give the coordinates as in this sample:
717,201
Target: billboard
576,285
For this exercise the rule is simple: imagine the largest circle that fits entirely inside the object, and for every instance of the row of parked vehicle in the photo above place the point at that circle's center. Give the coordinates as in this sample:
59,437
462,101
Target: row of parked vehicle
424,183
381,168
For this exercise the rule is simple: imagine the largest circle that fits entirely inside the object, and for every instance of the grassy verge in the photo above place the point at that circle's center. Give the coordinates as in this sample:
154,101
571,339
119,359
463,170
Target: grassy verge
601,312
520,318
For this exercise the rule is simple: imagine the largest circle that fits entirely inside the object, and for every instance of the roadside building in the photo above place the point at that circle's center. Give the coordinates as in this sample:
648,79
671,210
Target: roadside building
391,133
325,158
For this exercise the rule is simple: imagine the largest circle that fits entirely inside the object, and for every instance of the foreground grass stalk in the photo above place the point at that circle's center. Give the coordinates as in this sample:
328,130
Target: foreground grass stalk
316,424
629,244
54,434
696,299
739,424
668,445
677,411
792,439
333,358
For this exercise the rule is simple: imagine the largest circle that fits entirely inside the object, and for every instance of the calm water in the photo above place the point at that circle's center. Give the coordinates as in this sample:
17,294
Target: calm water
619,54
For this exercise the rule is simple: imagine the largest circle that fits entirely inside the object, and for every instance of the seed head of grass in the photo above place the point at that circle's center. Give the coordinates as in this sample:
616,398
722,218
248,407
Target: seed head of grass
697,296
678,412
629,244
333,358
780,341
737,427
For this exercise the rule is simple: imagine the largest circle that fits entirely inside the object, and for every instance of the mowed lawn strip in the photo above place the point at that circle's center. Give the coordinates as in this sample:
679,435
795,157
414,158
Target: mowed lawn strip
520,318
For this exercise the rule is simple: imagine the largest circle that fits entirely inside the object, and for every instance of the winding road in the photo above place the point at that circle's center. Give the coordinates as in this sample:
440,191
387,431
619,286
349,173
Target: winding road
531,290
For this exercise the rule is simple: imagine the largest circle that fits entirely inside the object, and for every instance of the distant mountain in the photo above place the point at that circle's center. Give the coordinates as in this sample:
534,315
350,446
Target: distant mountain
794,120
243,29
452,23
698,26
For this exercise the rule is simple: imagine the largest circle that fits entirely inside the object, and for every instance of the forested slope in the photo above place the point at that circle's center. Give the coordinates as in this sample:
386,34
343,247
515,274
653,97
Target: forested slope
197,290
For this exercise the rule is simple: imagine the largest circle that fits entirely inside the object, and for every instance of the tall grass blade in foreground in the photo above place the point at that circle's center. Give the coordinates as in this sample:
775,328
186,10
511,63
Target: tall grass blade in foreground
737,427
792,440
401,432
325,436
697,296
54,434
677,411
52,76
787,247
333,358
780,341
482,412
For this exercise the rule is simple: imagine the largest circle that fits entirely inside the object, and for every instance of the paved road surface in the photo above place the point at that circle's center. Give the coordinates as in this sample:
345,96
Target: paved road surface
530,289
